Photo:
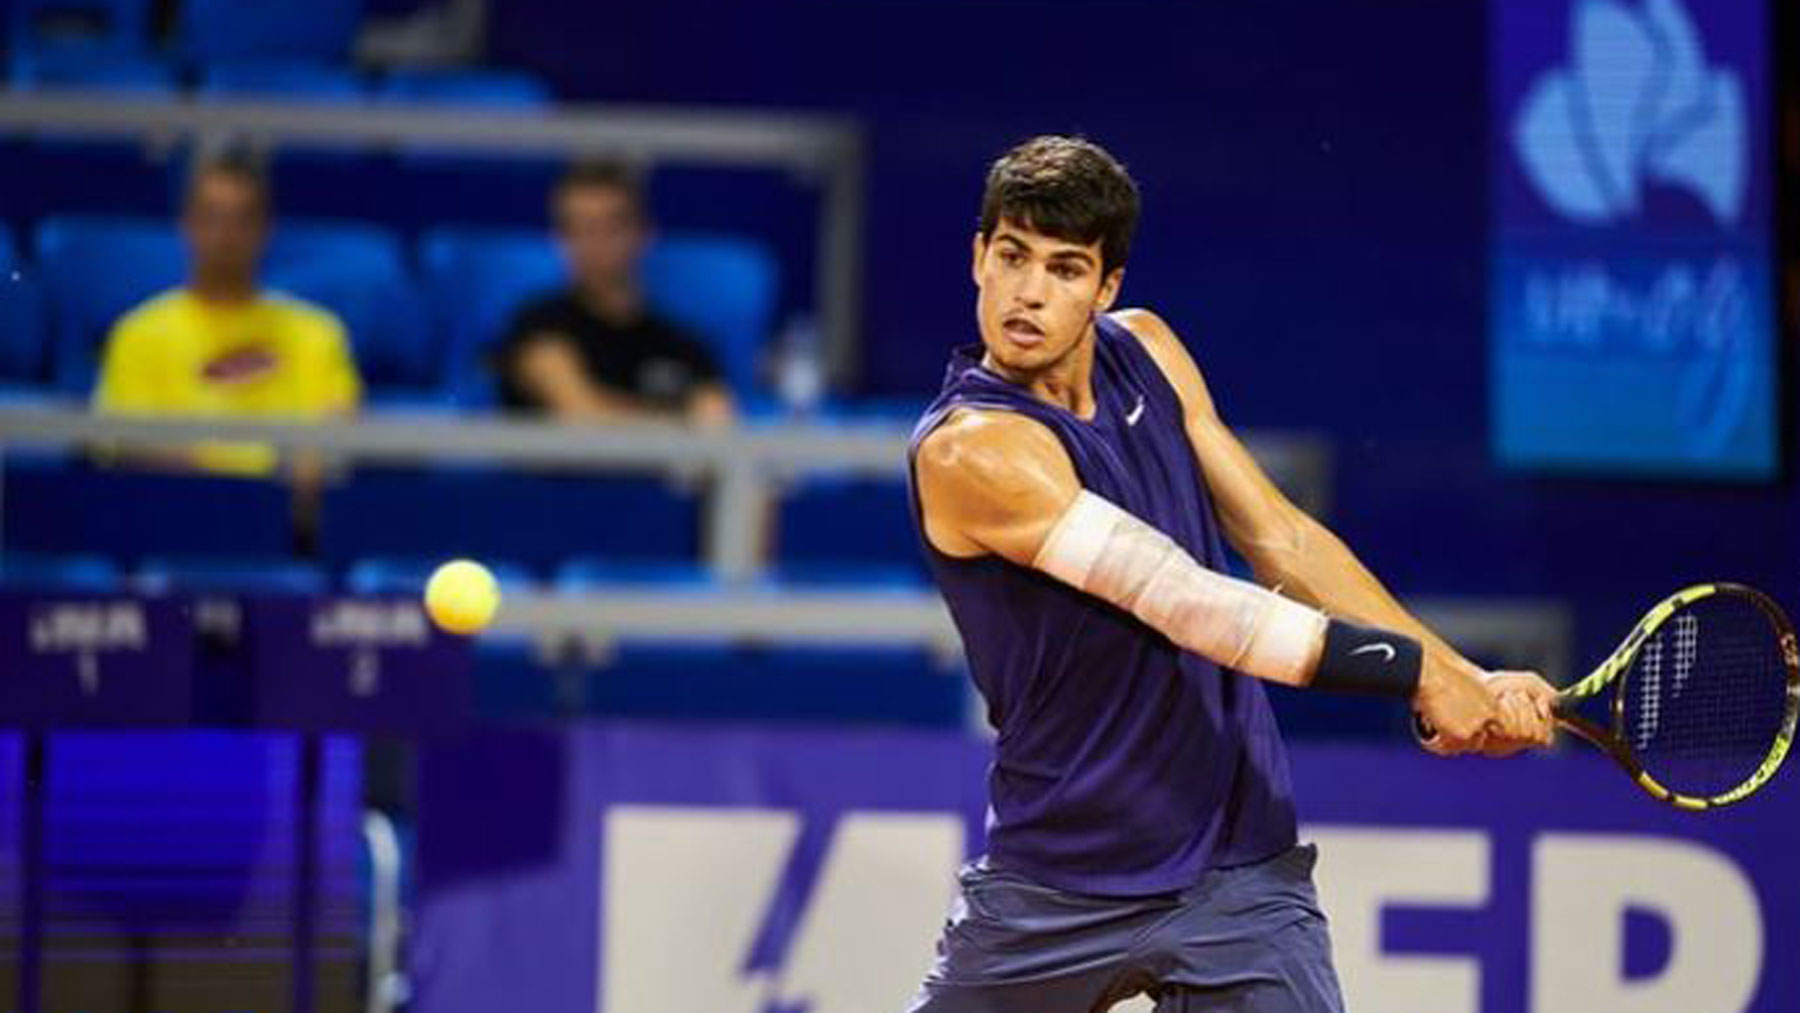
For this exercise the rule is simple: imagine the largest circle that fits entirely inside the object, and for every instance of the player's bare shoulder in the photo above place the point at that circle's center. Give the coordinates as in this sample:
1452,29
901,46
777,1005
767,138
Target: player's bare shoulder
1145,323
1171,356
992,482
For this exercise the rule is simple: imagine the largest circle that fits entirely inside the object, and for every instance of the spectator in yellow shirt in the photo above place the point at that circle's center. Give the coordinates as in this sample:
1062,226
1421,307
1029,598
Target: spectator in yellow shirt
221,345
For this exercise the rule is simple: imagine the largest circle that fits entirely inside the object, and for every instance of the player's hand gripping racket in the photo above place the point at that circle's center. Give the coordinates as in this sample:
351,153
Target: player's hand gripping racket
1705,692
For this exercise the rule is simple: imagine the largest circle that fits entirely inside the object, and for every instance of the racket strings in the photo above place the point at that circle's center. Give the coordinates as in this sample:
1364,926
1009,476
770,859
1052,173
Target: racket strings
1706,696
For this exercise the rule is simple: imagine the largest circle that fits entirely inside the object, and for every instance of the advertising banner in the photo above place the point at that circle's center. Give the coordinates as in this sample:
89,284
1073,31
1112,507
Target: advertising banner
635,869
1631,324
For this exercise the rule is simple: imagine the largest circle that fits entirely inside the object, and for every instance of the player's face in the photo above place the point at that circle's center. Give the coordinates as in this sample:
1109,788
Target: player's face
226,225
602,234
1039,295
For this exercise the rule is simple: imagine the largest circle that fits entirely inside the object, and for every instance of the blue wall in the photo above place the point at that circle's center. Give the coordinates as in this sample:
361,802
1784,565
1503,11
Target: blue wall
1314,181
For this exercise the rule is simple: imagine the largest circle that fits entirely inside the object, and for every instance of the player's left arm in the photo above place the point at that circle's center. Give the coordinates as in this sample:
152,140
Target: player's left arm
1289,549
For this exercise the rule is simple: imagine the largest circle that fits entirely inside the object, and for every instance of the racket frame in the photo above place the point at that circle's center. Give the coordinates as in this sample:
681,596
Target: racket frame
1616,669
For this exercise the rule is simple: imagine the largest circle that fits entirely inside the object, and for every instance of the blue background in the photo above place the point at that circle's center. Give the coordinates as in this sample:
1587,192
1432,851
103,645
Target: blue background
1316,191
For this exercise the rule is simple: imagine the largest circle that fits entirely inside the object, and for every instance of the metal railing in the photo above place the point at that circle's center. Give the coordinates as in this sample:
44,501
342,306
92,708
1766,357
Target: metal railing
822,148
745,468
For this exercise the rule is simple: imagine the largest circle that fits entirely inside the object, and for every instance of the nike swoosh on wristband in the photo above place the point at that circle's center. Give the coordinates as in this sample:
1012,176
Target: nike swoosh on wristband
1364,649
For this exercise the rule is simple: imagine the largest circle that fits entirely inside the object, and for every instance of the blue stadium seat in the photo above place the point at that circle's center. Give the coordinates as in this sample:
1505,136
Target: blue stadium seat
297,80
710,681
724,289
388,575
231,574
856,521
114,25
825,575
129,515
875,410
512,89
359,273
588,573
98,268
498,91
209,30
122,74
477,279
54,170
95,269
538,520
84,573
23,369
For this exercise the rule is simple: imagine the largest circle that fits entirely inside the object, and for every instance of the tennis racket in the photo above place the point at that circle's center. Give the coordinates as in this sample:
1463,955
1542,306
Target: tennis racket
1705,691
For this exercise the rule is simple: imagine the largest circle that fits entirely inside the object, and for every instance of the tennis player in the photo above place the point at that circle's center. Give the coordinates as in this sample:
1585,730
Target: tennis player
1074,487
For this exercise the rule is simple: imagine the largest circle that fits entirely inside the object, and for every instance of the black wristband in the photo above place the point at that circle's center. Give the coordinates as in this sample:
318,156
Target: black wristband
1368,661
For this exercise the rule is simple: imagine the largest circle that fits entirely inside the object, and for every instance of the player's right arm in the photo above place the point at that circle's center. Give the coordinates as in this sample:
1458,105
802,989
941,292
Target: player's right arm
993,483
998,483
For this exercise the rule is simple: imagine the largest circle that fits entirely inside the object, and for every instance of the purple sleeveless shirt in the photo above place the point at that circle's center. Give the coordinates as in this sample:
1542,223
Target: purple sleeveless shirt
1123,765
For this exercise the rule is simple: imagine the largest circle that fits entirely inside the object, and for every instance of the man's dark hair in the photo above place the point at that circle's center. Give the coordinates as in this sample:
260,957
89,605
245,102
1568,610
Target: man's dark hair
599,173
242,166
1066,187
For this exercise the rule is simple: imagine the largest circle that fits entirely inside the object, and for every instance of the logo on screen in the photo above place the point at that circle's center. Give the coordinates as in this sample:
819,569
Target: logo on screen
1636,105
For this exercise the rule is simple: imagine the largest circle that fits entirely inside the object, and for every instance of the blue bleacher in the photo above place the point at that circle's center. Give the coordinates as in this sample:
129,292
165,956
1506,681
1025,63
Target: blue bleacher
509,89
499,175
537,520
845,574
359,272
137,75
736,314
77,572
112,25
95,268
128,515
23,357
277,79
701,681
212,30
848,520
589,573
159,574
478,278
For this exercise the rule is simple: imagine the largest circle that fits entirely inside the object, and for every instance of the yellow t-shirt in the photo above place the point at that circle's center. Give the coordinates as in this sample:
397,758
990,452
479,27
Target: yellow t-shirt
276,355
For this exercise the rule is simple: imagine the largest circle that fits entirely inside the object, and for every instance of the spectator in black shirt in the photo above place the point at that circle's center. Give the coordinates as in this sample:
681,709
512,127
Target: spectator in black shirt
596,352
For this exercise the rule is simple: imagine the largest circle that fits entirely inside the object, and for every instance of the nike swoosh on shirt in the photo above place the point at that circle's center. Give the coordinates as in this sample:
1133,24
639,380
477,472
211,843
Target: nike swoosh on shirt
1388,650
1132,417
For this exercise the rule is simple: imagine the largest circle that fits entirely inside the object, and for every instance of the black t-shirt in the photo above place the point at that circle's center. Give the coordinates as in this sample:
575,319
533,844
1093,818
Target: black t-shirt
648,357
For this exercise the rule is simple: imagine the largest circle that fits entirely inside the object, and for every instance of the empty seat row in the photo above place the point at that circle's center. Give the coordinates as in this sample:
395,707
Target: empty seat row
581,529
202,29
684,680
419,320
148,75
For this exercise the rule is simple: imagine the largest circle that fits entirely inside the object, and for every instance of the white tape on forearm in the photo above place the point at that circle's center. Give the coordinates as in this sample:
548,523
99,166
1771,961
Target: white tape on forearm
1099,548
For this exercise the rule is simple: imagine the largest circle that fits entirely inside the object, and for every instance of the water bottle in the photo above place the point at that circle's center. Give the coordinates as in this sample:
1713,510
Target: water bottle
800,368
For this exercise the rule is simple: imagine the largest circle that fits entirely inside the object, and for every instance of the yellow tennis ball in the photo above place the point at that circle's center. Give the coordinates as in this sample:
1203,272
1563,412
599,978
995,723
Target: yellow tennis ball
461,596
